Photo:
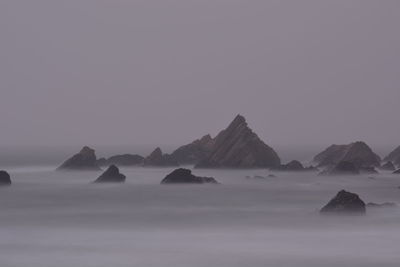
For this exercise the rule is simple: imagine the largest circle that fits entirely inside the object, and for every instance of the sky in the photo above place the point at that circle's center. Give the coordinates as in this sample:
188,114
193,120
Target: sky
75,72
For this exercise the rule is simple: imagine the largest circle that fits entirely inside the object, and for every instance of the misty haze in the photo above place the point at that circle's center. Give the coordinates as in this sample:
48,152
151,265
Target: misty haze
199,133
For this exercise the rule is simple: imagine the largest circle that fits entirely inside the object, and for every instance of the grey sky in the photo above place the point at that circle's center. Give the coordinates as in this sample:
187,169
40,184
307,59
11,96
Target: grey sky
166,72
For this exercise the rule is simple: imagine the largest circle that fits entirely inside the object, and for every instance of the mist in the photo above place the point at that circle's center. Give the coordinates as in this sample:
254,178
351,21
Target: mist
167,72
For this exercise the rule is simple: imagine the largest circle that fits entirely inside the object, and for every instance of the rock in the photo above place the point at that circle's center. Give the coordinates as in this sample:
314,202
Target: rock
342,168
388,166
239,147
102,162
271,176
157,158
125,160
358,153
368,170
345,202
194,152
84,160
394,156
397,172
185,176
111,175
381,205
294,165
5,178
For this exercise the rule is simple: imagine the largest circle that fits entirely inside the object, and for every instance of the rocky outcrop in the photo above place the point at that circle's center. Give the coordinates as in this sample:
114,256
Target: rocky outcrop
388,166
122,160
239,147
158,159
358,153
397,172
5,178
84,160
185,176
294,166
342,168
345,203
111,175
194,152
394,156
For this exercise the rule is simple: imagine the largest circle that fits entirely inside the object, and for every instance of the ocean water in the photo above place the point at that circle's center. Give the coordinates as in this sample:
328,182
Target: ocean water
50,218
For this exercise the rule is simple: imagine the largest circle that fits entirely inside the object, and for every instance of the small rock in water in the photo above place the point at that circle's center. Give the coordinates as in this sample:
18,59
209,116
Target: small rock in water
345,203
185,176
111,175
4,178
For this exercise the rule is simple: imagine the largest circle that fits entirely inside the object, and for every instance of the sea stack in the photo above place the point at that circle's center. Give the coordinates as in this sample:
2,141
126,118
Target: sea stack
394,157
194,152
239,147
111,175
158,159
358,153
185,176
345,203
84,160
5,178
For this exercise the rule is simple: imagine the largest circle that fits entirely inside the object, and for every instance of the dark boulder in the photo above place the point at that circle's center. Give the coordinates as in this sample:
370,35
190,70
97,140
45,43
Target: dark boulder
388,166
5,178
239,147
84,160
185,176
345,203
158,159
394,156
111,175
194,152
358,153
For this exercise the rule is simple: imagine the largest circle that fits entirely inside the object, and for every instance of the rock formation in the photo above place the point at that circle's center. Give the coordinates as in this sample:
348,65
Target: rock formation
122,160
295,166
345,203
185,176
388,166
394,156
194,152
111,175
397,172
5,178
158,159
239,147
84,160
342,168
358,153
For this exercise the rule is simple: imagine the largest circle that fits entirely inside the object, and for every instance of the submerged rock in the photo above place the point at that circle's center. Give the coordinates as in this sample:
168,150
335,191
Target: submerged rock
84,160
388,166
239,147
194,152
111,175
345,203
124,160
358,153
394,156
381,205
158,159
5,178
185,176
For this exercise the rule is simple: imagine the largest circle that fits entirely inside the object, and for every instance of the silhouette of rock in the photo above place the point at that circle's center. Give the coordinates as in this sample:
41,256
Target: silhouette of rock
342,168
397,172
382,205
388,166
194,152
158,159
358,153
102,162
5,178
368,170
123,160
345,202
394,156
294,165
185,176
111,175
239,147
84,160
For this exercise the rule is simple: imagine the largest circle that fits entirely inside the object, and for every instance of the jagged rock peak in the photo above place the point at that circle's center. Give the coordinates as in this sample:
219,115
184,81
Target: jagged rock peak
157,158
345,203
394,156
239,147
85,160
111,175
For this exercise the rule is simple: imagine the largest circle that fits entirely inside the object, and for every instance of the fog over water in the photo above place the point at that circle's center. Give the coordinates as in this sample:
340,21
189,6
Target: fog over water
60,218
